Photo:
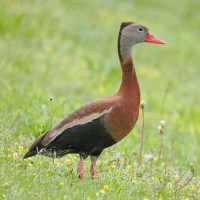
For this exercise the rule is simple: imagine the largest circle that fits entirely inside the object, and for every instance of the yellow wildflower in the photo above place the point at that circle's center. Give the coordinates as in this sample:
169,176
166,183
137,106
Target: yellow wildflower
102,191
67,160
69,155
187,198
2,148
105,187
49,49
29,158
61,183
146,199
21,147
129,167
98,162
88,198
101,90
9,156
34,174
40,163
160,198
155,158
30,165
193,187
57,162
135,163
14,155
176,177
113,166
169,185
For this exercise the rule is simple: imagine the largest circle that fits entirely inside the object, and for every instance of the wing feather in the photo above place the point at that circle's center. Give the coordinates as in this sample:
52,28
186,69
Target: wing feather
82,115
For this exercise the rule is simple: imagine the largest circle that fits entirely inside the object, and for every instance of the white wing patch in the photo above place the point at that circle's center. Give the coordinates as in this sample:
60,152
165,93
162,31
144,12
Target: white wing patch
83,120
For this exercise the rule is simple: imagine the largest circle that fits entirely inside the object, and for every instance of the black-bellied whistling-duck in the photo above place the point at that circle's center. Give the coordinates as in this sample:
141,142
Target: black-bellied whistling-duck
103,122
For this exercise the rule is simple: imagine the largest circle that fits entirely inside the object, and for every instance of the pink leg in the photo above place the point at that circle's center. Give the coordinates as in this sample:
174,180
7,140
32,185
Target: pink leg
80,170
93,170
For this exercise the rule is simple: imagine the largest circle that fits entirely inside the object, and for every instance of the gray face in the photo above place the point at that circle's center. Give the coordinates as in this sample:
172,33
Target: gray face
133,34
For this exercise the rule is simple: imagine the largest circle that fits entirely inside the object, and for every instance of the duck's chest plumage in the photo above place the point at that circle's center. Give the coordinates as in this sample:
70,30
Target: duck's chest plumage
123,116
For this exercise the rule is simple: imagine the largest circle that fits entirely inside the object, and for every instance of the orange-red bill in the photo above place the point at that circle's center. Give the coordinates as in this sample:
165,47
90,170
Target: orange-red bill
152,39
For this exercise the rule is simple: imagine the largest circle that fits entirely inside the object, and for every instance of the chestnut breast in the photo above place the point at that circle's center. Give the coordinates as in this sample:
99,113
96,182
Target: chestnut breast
123,116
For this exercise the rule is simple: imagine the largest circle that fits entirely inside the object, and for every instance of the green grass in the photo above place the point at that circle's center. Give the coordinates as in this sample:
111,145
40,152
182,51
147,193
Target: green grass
68,50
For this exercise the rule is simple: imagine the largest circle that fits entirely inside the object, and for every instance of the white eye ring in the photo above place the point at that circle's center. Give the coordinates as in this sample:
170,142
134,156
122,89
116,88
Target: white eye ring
140,29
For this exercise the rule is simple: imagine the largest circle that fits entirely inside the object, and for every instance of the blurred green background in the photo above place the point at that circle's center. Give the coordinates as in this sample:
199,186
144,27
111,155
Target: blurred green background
68,49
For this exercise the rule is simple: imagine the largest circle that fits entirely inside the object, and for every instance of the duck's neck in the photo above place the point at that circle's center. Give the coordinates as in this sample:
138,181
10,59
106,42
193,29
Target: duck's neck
129,85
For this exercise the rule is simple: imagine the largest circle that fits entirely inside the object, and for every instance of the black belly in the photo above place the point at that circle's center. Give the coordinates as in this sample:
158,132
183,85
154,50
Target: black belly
86,139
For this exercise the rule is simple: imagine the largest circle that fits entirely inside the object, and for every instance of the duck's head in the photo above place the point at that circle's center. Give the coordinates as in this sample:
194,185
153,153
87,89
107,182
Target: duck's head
132,33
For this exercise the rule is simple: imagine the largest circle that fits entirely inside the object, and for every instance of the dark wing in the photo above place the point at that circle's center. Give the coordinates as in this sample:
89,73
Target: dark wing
85,114
86,139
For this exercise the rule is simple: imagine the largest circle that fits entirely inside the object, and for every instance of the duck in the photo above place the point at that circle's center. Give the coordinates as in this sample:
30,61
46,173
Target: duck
103,122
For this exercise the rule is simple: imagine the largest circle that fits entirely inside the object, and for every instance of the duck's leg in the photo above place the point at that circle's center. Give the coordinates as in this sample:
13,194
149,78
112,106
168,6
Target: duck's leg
80,169
93,170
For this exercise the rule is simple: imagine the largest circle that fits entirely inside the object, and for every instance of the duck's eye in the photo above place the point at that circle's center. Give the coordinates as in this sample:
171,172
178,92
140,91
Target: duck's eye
140,29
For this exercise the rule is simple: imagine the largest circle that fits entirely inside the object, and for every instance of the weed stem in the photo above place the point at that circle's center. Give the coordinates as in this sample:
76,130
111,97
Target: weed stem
142,137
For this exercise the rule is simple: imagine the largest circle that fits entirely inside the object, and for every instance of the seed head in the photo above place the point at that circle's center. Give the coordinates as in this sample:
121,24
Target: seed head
160,129
148,157
143,103
51,98
192,167
44,106
163,122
